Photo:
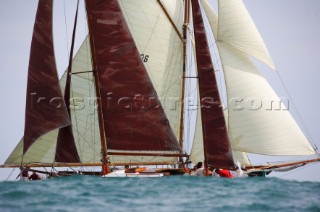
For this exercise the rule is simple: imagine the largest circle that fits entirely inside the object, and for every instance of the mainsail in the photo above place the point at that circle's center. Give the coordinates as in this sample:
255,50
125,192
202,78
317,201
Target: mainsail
133,117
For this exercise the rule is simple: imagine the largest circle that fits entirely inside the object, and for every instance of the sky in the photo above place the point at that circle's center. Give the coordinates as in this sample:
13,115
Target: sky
290,29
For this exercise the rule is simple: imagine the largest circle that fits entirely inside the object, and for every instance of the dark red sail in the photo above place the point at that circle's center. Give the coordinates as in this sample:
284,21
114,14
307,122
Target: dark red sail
66,150
215,137
45,108
133,116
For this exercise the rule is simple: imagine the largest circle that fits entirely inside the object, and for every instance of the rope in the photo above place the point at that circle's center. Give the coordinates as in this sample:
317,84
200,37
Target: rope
65,22
10,175
299,115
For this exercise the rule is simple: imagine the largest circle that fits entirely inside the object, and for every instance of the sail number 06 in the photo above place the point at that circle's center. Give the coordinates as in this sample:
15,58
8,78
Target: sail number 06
144,58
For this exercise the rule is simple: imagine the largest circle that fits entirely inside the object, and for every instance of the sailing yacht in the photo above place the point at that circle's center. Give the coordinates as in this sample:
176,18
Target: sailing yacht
121,100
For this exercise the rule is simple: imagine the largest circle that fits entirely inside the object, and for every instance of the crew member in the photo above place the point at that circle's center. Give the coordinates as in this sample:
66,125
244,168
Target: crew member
224,173
34,176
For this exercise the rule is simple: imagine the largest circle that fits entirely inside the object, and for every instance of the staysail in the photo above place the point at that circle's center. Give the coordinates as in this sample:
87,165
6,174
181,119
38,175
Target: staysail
217,148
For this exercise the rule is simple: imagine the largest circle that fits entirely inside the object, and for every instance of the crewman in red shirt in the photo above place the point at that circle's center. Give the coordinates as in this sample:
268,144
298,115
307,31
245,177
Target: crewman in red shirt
224,173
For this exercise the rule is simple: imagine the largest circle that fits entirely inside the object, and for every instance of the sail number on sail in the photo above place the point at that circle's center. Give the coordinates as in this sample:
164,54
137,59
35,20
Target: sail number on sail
144,58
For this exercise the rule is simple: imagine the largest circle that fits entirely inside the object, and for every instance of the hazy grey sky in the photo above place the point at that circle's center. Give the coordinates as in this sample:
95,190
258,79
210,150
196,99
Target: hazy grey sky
290,29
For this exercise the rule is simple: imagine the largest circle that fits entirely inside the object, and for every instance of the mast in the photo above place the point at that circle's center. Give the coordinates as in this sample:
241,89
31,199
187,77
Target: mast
104,159
185,29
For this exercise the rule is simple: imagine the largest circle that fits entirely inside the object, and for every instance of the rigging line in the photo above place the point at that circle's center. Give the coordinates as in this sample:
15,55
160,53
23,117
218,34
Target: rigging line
154,28
75,117
212,40
152,33
172,84
83,136
65,22
92,119
193,90
172,63
67,89
299,114
91,85
132,27
11,174
91,91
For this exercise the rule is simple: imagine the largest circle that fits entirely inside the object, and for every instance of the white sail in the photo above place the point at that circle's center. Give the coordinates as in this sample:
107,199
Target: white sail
161,49
211,16
237,29
197,154
258,120
266,128
43,150
241,157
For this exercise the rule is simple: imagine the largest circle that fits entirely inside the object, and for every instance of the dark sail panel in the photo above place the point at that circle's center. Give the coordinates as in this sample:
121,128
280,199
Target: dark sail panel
66,150
45,108
215,138
133,116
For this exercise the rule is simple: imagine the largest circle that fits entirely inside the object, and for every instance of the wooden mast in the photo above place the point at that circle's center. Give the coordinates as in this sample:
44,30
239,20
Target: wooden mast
104,159
185,29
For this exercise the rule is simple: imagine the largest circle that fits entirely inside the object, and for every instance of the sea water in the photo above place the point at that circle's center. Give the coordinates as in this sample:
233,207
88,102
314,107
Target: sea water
170,194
